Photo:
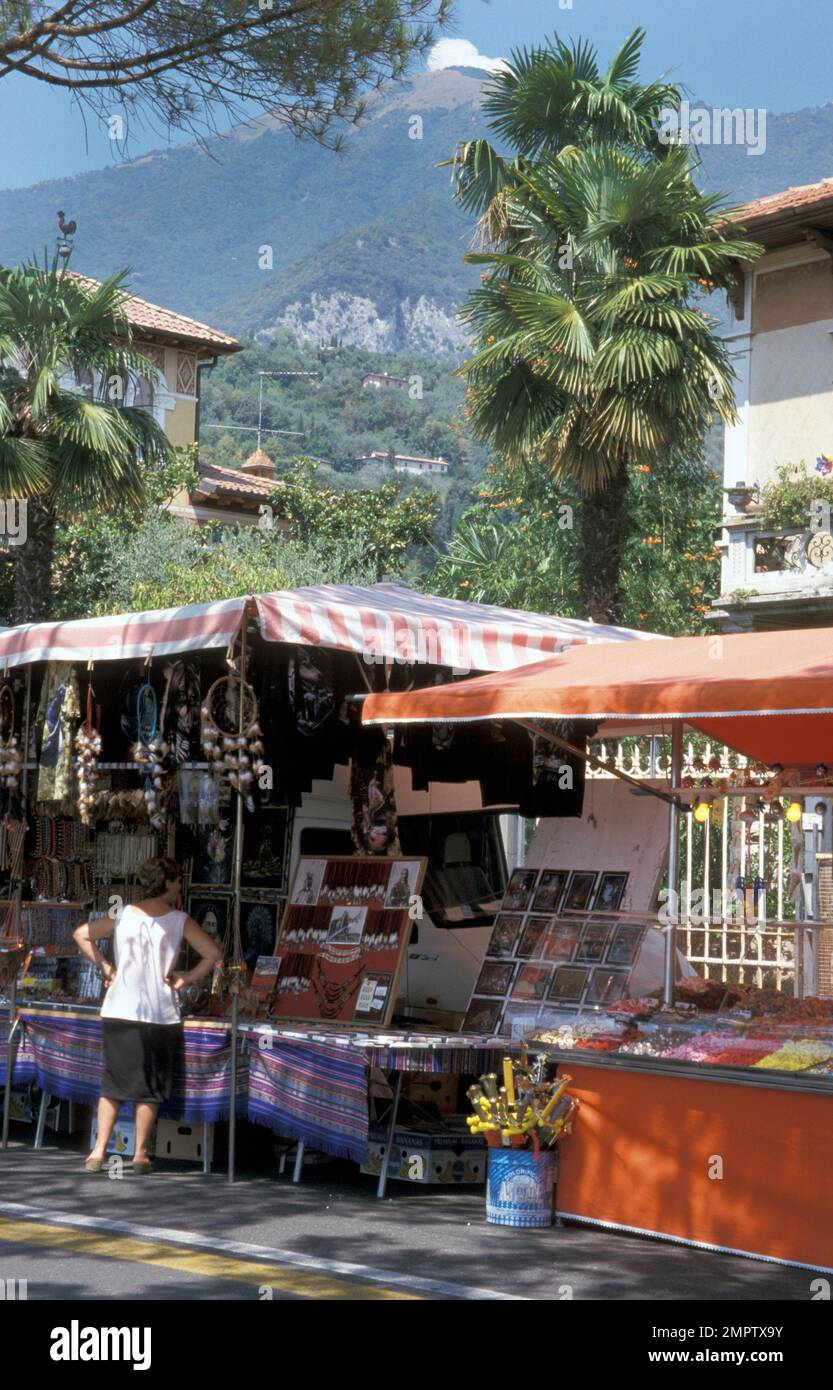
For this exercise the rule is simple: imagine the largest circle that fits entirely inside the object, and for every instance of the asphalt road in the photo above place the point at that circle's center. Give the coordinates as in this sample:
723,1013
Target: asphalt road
182,1235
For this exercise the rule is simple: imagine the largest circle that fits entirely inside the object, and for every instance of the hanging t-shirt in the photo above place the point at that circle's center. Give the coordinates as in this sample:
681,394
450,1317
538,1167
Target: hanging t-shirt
308,725
146,950
58,712
527,770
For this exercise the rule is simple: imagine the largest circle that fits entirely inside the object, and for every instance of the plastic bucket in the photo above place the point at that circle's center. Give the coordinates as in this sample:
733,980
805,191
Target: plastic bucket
519,1189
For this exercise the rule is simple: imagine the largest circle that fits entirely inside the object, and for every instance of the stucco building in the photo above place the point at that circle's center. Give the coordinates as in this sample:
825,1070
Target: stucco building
781,337
182,349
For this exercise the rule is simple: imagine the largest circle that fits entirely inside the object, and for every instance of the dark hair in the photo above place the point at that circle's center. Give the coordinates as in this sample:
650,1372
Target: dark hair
155,874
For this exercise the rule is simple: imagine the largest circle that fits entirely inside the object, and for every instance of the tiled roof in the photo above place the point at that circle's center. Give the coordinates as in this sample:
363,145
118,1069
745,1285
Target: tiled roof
231,482
154,319
799,199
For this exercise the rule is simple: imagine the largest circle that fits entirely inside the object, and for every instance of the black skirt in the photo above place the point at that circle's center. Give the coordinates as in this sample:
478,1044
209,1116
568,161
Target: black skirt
139,1059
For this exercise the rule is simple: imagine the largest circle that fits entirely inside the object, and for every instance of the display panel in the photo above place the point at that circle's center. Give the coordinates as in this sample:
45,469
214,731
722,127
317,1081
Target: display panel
541,960
342,940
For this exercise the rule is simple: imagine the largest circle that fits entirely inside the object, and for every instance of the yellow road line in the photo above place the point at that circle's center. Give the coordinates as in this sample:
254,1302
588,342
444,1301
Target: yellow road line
281,1278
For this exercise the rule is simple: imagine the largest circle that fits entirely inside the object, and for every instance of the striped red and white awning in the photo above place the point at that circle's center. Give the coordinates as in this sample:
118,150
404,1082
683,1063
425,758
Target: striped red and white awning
382,622
194,627
391,622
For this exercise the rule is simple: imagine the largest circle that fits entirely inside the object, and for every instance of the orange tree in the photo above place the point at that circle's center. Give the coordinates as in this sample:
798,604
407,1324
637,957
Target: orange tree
516,546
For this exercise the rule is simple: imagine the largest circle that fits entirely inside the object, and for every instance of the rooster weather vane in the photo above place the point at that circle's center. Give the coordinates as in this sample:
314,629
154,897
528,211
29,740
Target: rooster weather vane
67,232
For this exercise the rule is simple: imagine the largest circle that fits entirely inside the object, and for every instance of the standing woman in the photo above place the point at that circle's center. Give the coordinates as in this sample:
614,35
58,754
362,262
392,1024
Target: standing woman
140,1018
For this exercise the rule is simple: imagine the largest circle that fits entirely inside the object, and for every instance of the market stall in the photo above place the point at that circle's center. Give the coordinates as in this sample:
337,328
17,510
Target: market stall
206,732
706,1111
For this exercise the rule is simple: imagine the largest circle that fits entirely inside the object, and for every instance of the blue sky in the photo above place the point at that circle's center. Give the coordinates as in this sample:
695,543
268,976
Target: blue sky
765,53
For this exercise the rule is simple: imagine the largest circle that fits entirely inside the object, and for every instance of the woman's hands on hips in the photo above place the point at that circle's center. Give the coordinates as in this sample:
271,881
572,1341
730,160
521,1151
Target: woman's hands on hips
109,973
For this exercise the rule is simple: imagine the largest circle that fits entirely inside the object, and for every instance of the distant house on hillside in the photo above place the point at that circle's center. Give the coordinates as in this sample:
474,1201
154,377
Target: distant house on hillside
781,340
406,463
381,380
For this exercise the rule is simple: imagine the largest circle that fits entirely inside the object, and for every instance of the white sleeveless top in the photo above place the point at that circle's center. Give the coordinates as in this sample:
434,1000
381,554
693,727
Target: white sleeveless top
146,949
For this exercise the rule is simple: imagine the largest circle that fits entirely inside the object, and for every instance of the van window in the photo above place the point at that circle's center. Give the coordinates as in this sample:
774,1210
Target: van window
466,865
326,840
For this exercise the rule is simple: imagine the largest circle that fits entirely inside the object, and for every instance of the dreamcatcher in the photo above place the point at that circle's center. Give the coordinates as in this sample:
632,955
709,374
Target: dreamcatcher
234,755
149,752
88,749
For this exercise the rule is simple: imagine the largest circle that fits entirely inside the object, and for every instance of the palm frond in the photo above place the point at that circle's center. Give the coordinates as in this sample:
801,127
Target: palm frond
624,65
24,466
557,322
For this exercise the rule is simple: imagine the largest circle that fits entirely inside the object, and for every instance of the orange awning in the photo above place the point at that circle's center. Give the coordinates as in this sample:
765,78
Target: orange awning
767,694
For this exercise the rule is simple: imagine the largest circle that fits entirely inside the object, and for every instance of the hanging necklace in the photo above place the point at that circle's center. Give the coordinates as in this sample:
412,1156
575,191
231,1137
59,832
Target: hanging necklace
333,995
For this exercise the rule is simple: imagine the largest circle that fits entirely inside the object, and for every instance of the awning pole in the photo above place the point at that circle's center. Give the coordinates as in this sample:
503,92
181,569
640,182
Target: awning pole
236,948
17,919
670,971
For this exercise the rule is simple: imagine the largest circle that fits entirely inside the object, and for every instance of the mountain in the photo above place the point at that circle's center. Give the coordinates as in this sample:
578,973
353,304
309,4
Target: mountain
365,246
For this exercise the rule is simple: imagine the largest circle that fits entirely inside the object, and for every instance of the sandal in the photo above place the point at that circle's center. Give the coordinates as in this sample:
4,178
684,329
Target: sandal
142,1167
94,1165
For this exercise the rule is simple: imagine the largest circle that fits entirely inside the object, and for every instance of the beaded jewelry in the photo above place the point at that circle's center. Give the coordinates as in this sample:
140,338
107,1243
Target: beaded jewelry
332,995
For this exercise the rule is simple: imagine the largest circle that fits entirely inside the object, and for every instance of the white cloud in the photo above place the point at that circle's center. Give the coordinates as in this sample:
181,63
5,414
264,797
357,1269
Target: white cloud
461,53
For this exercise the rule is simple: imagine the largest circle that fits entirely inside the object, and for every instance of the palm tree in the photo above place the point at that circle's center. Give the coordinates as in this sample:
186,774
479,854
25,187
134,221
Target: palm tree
593,355
69,444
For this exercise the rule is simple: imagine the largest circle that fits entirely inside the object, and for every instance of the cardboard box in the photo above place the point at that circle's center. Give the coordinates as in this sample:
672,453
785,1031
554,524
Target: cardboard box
443,1158
123,1138
430,1088
175,1139
59,1114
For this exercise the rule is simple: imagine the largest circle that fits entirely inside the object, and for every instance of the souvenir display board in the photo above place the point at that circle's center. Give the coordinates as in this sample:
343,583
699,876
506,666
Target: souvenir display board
544,957
343,937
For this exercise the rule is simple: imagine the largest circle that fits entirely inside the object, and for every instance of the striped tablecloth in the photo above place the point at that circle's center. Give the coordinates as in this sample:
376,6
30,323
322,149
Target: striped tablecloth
24,1065
313,1092
459,1061
302,1087
68,1062
315,1089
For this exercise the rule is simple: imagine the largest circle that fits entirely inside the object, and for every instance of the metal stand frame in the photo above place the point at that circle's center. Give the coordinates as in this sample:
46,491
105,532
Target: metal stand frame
41,1123
670,965
12,1043
237,946
394,1111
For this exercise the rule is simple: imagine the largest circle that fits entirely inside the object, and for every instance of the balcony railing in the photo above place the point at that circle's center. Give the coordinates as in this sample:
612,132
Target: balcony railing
762,562
642,756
